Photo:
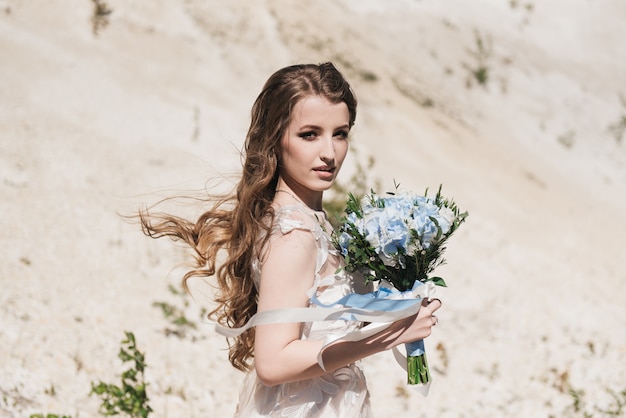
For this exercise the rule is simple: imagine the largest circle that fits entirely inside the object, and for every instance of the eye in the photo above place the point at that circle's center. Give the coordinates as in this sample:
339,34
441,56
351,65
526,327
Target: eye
308,135
341,134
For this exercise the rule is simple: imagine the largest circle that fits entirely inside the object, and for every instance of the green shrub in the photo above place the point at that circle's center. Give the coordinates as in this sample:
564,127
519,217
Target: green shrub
130,398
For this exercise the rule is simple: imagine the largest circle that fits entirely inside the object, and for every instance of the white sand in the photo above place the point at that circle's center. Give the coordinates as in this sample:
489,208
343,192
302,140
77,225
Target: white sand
159,102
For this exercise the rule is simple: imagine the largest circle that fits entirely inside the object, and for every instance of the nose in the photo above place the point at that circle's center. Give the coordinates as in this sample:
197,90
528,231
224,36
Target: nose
327,152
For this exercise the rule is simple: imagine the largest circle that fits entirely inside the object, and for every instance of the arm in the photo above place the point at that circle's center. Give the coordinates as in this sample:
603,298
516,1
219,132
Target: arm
280,356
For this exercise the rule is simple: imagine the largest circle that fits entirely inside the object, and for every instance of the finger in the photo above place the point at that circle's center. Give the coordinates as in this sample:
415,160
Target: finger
434,319
433,305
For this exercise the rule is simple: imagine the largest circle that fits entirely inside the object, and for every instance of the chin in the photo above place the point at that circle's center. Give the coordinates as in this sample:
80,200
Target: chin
326,186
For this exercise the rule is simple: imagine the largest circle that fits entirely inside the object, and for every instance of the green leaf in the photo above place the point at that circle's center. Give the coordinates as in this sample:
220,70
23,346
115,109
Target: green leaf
438,281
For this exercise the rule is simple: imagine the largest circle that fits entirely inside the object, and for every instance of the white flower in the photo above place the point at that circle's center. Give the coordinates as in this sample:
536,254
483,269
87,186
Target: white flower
446,217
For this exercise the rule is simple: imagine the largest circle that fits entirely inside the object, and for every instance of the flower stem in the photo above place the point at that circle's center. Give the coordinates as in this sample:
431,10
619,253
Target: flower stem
417,370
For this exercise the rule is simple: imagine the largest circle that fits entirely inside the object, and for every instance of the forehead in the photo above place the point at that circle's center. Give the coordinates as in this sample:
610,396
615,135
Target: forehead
318,110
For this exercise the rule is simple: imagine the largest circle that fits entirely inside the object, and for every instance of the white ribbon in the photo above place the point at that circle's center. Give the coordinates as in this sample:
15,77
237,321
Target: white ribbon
378,319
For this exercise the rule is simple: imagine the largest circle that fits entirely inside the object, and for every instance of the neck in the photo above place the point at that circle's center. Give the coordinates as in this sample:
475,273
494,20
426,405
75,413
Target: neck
311,200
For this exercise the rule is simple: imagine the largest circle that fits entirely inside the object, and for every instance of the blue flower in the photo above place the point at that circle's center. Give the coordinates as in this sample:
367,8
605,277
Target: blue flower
403,231
344,242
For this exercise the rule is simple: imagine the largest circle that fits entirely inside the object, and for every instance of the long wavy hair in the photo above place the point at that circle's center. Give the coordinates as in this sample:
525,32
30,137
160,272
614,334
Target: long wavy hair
238,224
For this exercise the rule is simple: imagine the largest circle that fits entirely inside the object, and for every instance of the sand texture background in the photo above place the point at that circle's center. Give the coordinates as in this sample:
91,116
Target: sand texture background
157,102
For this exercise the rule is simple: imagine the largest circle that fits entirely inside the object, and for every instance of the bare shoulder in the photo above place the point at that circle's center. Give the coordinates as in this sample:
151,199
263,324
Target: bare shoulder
291,245
287,269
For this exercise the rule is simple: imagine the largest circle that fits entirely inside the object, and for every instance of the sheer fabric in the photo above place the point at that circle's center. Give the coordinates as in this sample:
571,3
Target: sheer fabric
342,393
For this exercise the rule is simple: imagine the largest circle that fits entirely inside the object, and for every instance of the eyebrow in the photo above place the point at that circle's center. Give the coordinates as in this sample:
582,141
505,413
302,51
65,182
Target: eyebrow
315,127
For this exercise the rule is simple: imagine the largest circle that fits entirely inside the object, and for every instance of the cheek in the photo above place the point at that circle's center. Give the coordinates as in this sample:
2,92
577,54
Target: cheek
341,150
292,156
286,152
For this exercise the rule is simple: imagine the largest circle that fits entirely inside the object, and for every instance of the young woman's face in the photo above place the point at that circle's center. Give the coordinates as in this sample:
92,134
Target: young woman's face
314,145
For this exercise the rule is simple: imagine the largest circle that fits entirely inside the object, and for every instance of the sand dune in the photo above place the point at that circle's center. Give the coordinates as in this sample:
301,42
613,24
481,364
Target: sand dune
157,102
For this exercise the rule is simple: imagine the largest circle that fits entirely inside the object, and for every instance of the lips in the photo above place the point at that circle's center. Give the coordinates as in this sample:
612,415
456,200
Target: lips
325,173
325,168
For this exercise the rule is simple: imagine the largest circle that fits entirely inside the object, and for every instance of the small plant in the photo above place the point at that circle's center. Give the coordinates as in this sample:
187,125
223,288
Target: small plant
578,403
175,315
363,74
582,407
526,8
130,398
479,69
567,139
49,416
51,391
618,406
445,358
413,94
100,16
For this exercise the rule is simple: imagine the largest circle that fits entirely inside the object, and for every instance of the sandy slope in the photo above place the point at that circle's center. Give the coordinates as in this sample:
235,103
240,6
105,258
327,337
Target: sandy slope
159,101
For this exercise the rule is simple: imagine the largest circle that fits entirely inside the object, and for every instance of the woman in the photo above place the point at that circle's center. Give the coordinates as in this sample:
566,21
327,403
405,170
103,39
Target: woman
278,254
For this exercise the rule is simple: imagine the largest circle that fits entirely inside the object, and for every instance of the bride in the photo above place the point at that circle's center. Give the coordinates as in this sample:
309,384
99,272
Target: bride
278,254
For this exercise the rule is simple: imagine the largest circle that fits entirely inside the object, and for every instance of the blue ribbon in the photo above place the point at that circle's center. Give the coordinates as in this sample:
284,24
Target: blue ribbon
384,299
415,348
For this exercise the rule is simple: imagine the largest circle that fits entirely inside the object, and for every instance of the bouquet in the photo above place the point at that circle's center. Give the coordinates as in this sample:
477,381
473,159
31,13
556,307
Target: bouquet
399,238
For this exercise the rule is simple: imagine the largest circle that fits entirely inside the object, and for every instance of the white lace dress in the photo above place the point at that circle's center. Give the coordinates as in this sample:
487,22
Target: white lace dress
342,393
